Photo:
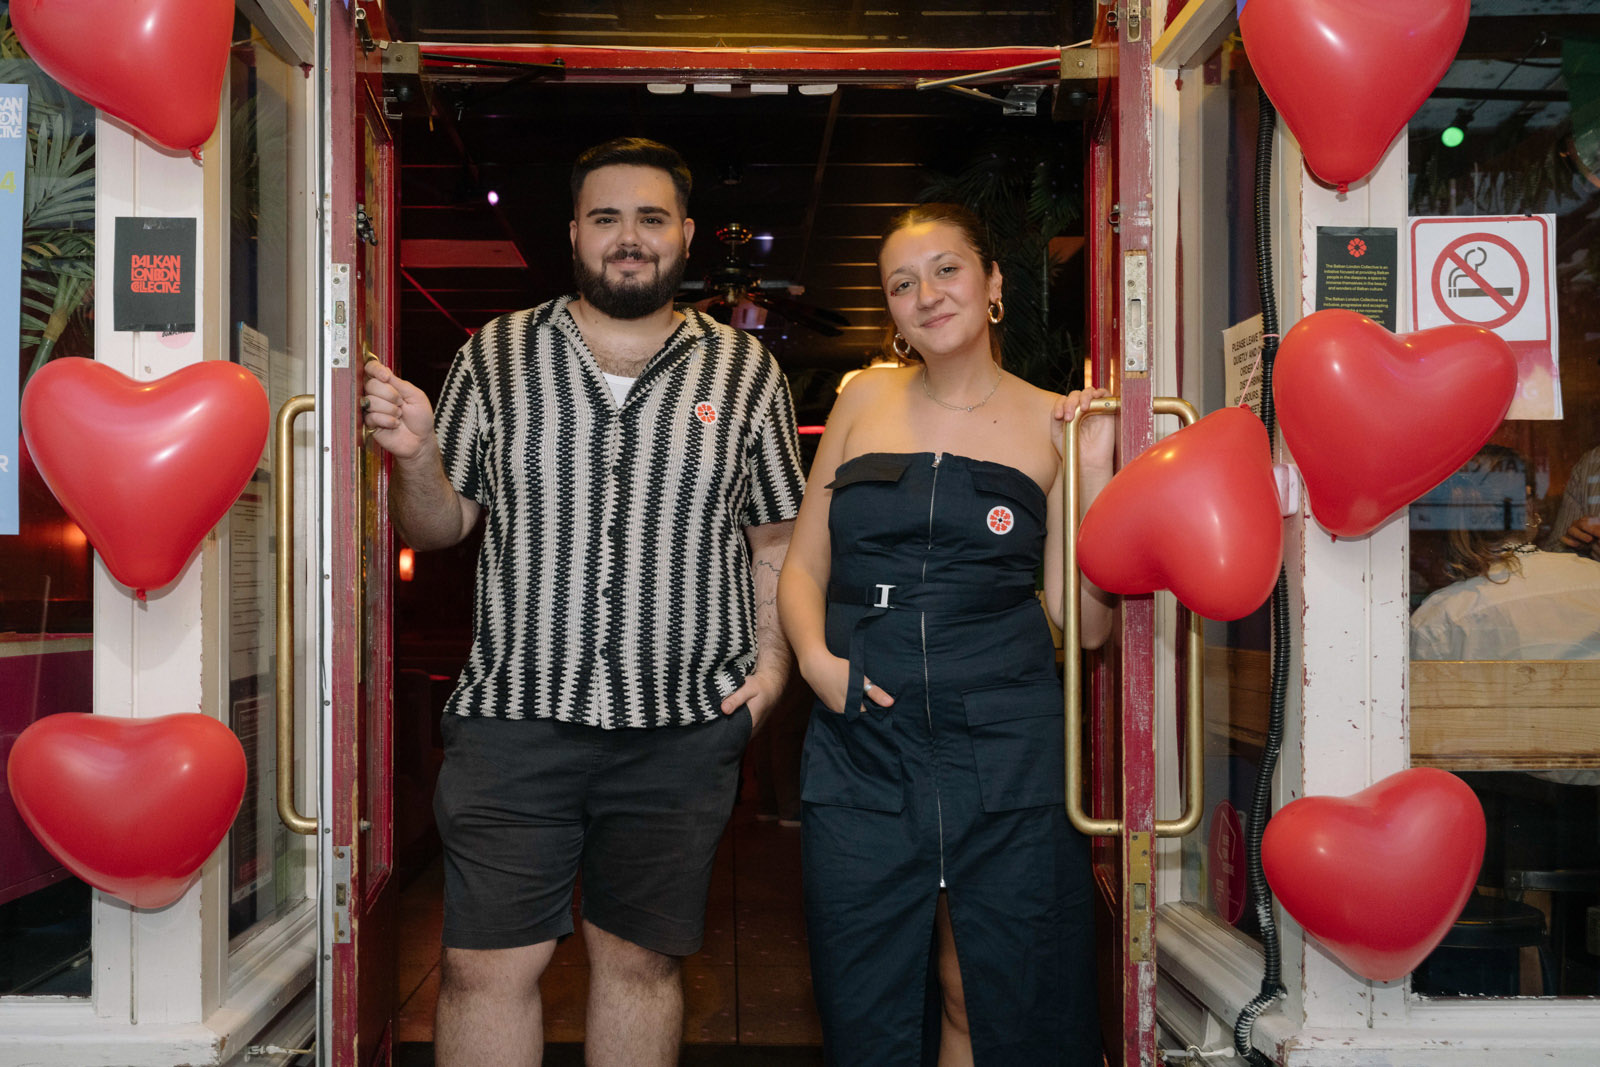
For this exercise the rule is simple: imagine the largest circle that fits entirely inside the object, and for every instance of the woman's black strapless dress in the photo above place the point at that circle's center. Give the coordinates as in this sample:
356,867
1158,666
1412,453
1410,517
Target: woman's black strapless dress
959,784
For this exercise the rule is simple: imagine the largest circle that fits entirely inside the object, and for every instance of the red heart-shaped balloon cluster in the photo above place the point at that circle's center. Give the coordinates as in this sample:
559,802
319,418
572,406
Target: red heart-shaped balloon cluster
1196,513
156,64
131,806
1347,75
1375,419
1378,877
145,468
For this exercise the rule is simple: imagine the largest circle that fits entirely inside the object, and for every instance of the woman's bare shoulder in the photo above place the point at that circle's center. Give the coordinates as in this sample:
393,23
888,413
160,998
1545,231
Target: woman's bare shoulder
872,385
1038,405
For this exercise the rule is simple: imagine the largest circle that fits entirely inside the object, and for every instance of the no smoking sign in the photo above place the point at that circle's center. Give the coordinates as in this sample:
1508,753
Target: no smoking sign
1497,272
1490,271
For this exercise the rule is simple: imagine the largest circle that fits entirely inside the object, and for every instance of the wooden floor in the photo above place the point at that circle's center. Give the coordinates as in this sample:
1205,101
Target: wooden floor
750,984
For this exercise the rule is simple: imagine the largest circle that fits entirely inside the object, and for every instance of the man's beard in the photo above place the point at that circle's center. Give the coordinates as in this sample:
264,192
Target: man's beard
627,300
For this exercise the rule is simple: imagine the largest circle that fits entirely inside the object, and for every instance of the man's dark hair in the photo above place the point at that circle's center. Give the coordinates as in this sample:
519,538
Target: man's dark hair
634,152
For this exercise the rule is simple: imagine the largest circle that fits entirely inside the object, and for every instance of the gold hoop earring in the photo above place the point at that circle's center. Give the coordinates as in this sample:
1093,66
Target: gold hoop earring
901,346
997,311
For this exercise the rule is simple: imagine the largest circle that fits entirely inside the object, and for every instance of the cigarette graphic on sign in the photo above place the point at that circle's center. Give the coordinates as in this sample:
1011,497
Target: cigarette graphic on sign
1463,283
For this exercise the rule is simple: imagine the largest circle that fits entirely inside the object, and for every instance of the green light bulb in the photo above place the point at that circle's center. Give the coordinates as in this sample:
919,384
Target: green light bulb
1453,136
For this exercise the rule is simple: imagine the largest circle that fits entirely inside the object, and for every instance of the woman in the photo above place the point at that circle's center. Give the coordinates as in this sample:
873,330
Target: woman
932,773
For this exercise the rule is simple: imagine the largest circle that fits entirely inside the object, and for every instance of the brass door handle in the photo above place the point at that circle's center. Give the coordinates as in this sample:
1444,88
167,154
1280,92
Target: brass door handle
283,518
1071,640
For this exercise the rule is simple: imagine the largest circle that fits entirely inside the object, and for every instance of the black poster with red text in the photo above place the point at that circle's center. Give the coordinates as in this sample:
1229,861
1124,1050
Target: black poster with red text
154,275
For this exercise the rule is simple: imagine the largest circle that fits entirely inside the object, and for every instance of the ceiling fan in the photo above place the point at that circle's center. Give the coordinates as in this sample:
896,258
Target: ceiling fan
734,294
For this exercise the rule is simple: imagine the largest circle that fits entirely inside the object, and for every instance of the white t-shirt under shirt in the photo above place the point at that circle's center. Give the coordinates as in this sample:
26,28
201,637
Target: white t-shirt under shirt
619,385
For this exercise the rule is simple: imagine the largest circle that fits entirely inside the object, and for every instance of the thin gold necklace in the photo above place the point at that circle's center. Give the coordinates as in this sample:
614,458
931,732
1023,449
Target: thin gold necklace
961,407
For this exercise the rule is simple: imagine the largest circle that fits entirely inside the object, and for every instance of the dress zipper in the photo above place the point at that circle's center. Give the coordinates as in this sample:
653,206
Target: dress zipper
927,702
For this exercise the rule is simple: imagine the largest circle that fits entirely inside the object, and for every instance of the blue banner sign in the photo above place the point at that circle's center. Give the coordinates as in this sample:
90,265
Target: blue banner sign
13,168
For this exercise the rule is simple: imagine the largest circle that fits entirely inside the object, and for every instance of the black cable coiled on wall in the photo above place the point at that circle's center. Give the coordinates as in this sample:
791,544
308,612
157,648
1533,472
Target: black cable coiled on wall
1261,796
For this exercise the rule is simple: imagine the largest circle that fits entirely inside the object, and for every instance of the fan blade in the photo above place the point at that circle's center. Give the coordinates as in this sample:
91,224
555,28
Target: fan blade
821,320
826,314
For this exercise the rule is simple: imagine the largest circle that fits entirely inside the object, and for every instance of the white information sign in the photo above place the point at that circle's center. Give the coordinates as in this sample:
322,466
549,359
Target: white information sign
1241,352
1497,272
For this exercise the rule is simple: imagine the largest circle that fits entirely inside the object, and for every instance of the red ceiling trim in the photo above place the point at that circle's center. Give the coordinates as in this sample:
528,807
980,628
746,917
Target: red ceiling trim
427,253
596,62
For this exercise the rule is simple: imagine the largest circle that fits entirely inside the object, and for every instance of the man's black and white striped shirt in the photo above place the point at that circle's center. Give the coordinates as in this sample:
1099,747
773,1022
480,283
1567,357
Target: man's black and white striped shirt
614,585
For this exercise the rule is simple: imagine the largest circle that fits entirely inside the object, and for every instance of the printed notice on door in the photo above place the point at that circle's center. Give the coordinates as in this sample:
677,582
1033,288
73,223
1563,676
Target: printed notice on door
1241,362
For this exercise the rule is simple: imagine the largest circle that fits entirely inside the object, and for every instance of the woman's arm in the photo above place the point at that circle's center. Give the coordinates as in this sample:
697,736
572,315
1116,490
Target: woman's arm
1096,443
803,584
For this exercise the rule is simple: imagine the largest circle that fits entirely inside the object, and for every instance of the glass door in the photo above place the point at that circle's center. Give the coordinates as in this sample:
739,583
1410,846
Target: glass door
263,678
267,866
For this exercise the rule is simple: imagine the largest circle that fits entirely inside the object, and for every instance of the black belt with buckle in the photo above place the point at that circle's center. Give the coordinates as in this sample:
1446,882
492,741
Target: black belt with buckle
921,596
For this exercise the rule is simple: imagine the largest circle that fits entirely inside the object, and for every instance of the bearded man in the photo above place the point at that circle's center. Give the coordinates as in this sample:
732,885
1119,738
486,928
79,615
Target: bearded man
638,471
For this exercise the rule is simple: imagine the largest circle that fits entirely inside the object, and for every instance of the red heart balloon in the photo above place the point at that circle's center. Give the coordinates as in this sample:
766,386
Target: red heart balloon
1347,75
131,806
1379,876
1197,513
145,468
1376,419
156,64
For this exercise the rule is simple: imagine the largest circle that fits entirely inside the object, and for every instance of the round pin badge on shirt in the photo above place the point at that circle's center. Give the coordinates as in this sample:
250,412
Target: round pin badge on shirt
706,412
1001,520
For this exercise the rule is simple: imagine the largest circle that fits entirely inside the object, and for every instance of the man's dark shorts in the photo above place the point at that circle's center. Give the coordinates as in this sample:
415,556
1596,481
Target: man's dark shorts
524,805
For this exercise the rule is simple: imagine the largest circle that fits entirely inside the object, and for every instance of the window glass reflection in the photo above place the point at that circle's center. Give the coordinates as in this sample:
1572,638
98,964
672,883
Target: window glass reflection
1220,107
1505,586
46,573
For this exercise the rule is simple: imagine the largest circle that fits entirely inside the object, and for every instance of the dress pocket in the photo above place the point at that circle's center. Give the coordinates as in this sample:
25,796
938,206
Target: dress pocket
996,480
870,467
1017,744
852,763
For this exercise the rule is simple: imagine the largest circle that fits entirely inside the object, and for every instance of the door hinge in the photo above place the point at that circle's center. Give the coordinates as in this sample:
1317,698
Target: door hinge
339,326
364,228
364,32
1129,14
341,894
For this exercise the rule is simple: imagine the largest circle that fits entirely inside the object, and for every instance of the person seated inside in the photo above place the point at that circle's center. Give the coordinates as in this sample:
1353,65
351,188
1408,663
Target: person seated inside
1509,598
1577,523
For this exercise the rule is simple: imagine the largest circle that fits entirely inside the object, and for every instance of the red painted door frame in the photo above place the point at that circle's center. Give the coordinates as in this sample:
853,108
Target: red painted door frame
360,671
1120,210
1122,773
